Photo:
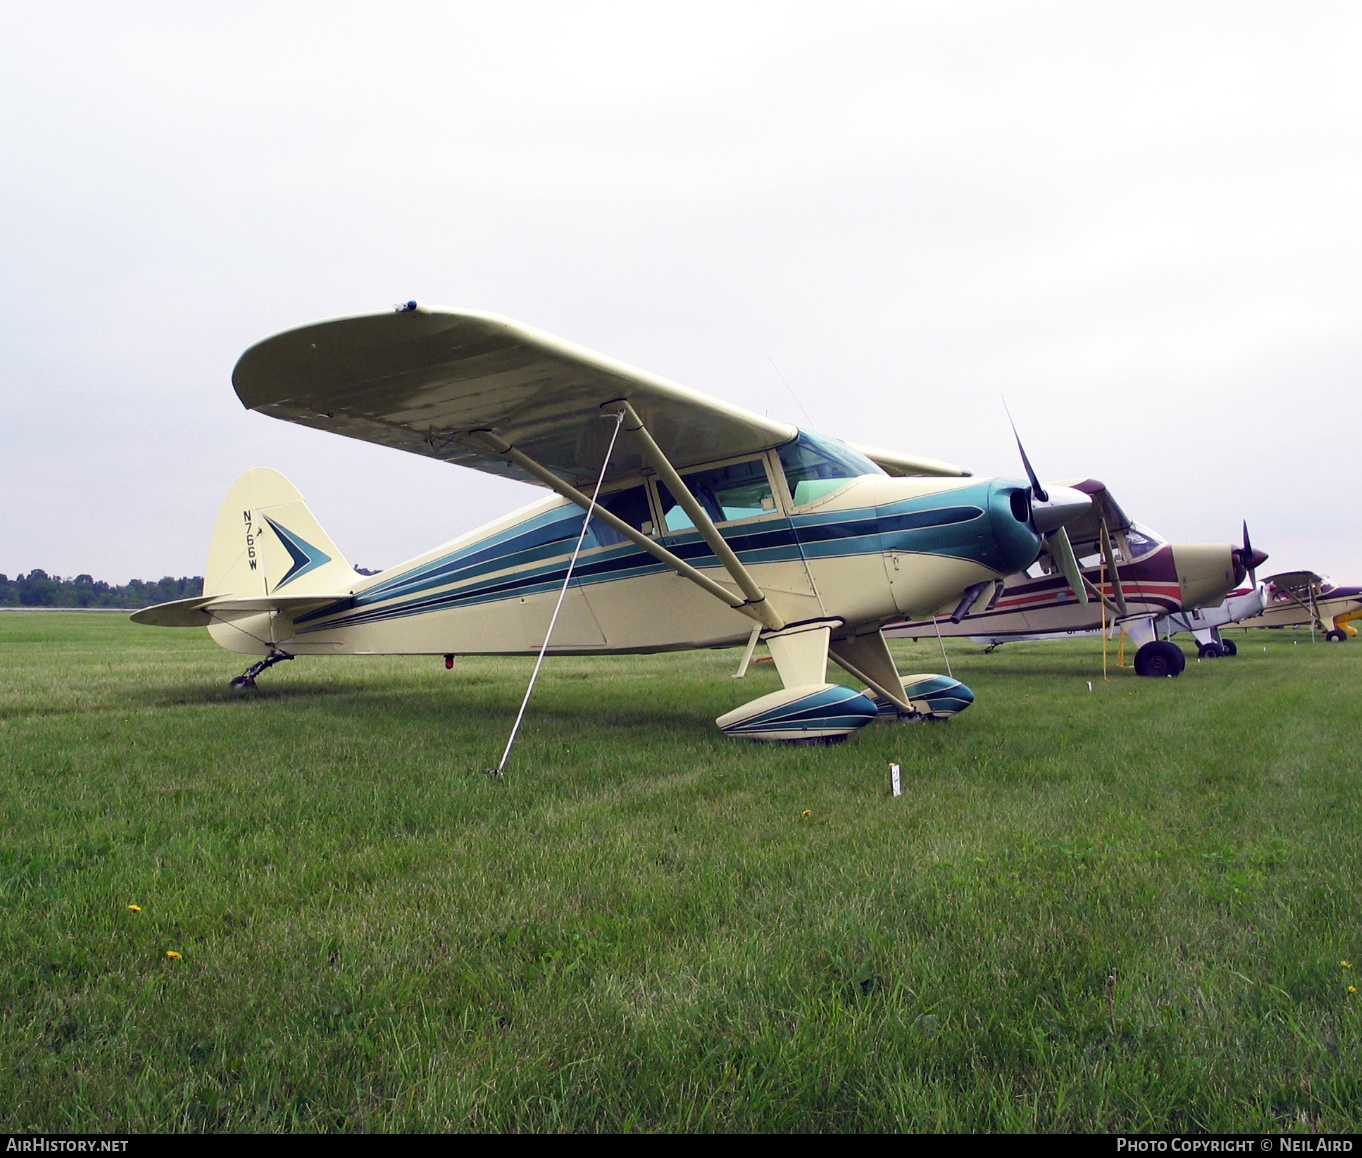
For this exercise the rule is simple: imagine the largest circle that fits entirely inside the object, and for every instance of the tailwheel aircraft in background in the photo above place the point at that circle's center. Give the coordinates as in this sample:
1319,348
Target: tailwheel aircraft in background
1101,571
714,526
1305,599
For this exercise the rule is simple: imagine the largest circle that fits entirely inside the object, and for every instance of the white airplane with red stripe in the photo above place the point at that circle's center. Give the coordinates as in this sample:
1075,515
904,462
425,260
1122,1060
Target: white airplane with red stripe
1117,576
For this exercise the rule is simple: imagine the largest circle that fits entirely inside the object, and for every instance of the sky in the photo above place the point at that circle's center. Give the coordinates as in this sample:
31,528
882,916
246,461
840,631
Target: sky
1137,223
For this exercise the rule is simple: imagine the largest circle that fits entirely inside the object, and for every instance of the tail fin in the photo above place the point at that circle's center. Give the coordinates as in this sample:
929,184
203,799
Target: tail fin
267,542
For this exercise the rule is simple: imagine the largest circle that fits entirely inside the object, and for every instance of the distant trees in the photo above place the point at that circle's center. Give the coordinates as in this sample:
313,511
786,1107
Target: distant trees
39,589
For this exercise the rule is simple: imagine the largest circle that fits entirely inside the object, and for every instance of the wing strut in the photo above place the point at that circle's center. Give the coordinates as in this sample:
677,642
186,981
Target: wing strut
1094,589
652,453
1062,552
637,537
1112,570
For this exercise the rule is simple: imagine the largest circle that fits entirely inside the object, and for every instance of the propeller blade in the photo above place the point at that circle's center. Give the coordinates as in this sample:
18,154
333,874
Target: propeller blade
1110,556
1036,488
1249,558
1062,552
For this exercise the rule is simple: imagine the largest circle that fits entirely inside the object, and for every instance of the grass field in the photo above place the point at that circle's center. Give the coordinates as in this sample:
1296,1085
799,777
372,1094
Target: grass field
647,926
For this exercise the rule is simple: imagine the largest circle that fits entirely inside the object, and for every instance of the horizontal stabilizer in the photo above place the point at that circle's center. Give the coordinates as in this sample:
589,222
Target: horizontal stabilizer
176,613
205,609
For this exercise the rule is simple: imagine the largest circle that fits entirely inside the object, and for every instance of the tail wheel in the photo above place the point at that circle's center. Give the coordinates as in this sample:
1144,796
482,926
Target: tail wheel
1228,647
1159,658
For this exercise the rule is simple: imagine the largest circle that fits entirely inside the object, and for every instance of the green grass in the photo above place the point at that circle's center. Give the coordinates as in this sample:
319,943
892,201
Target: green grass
647,926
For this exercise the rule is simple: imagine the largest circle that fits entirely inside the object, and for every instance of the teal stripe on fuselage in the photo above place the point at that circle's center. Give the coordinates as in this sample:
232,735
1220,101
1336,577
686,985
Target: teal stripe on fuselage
531,557
543,530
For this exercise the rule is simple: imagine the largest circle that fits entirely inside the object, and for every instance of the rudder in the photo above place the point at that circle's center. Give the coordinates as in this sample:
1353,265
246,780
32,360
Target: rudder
267,542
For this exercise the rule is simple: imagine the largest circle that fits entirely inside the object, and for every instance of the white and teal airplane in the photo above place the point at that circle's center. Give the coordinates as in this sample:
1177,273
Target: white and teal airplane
713,526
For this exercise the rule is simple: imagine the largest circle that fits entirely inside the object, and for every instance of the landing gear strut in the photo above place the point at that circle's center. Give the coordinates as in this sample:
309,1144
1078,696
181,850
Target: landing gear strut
247,678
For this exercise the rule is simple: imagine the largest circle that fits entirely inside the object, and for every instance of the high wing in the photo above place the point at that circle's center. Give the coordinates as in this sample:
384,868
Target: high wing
421,379
1085,531
910,465
1298,581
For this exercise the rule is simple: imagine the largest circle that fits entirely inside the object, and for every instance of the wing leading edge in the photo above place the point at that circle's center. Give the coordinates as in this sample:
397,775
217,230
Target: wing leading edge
421,380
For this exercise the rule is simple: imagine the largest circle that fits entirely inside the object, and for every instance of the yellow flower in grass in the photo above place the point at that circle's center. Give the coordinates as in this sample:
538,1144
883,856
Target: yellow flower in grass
172,954
1352,988
1346,964
134,908
807,812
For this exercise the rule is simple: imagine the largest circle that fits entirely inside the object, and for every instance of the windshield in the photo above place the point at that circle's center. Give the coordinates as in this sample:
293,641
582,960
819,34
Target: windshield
815,466
1142,540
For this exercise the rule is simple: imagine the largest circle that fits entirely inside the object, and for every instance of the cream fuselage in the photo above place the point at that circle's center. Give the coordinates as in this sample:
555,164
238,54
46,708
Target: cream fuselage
873,550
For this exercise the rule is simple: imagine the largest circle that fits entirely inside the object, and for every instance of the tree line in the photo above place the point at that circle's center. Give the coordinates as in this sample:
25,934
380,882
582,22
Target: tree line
39,589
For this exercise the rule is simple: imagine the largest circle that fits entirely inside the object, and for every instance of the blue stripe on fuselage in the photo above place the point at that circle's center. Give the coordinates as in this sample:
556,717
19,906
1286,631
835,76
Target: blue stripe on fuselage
465,577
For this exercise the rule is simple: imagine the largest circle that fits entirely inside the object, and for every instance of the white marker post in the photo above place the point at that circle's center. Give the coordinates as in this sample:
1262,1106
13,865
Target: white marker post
895,780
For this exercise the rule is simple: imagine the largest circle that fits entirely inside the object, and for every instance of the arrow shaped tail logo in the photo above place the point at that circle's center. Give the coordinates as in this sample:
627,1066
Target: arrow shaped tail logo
305,556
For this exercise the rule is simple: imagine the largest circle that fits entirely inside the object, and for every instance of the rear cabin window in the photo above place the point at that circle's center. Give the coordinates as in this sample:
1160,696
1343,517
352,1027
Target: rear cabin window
629,506
817,466
738,491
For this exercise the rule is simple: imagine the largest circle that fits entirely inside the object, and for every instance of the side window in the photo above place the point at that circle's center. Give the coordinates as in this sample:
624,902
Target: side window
816,466
630,506
739,491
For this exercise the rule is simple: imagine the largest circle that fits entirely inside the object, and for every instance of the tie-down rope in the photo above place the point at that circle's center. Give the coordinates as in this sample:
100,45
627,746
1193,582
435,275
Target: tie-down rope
562,594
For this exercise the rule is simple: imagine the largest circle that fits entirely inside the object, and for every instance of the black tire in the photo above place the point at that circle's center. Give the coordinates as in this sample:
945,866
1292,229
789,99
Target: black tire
1336,636
1210,651
1228,647
1159,658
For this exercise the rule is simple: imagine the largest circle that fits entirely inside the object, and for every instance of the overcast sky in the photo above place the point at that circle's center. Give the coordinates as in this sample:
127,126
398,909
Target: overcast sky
1139,222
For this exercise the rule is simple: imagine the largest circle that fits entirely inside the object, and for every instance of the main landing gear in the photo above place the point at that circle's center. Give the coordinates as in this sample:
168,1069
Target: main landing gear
1159,658
809,710
246,679
1336,636
1214,649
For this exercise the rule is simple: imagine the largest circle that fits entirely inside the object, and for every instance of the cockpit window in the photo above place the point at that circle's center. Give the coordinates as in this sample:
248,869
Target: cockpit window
816,466
740,490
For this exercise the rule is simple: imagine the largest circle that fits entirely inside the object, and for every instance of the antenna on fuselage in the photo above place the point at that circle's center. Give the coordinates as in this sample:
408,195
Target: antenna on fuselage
812,424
